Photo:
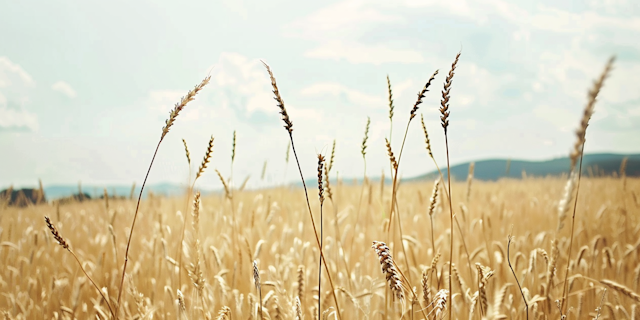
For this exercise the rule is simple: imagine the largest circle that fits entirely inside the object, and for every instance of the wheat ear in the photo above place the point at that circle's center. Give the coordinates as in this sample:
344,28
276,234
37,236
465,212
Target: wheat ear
622,289
256,282
389,269
224,313
391,107
432,206
398,282
300,289
186,151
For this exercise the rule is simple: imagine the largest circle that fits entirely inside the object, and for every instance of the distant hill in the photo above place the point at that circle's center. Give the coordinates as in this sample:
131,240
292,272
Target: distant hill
60,191
595,164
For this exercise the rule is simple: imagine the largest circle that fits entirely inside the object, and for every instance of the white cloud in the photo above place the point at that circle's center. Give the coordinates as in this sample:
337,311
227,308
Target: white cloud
361,53
12,119
557,116
64,88
11,74
243,82
336,26
15,87
339,20
336,89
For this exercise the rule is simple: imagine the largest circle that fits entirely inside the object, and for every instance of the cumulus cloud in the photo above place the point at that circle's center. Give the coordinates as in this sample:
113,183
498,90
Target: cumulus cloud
15,87
239,85
64,88
17,120
12,74
337,90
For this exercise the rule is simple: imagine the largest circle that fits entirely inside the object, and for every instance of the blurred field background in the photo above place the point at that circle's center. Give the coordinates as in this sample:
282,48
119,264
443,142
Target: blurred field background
40,280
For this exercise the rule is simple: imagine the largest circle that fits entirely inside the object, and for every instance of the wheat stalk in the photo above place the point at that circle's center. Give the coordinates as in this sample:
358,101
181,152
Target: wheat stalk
168,123
444,118
289,127
321,199
64,244
578,152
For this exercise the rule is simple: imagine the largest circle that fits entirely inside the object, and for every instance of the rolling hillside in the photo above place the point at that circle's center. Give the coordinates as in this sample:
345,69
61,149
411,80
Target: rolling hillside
596,164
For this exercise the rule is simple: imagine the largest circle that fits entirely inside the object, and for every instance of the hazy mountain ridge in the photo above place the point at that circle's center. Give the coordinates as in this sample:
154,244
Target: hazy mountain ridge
595,164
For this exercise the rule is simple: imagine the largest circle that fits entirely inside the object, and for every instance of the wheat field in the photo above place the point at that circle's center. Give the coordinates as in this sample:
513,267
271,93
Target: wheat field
510,249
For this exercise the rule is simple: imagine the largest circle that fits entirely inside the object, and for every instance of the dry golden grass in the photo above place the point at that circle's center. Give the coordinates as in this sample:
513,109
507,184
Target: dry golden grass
39,279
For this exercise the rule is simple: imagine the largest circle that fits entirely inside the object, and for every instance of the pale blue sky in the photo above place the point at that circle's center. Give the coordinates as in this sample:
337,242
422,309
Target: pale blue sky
85,86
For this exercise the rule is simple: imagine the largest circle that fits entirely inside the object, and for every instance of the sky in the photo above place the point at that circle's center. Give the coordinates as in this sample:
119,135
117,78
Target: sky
85,86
